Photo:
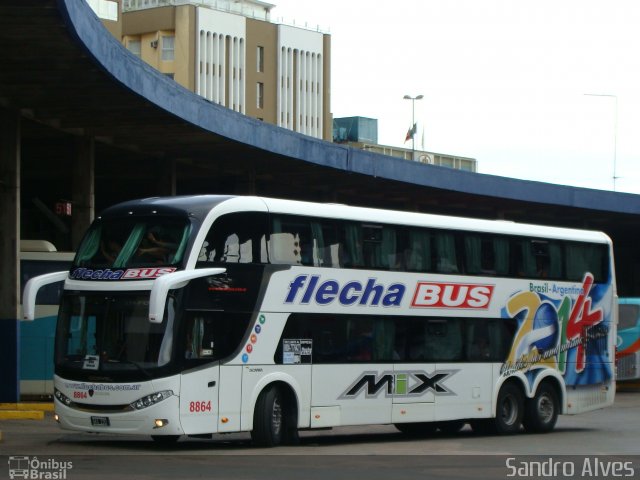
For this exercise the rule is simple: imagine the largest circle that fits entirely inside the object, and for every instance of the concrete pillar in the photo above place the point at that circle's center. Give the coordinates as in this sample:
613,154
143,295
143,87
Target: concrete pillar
83,199
9,256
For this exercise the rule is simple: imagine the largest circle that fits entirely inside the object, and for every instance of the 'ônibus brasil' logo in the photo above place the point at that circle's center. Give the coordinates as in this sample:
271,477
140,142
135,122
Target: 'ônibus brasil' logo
305,288
399,384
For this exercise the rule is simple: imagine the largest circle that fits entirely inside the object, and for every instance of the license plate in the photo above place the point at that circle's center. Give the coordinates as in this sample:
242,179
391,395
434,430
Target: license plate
100,421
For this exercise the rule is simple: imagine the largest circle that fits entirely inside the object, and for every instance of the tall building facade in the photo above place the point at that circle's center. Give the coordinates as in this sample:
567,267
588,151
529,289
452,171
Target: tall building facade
229,52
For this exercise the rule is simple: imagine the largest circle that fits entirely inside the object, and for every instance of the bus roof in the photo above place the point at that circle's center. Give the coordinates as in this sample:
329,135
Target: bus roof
201,205
346,212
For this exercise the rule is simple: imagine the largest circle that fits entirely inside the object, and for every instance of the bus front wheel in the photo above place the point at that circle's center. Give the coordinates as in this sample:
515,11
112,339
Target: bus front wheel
274,420
541,411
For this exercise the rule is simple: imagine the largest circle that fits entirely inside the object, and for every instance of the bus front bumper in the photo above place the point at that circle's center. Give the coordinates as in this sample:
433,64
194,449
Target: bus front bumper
159,419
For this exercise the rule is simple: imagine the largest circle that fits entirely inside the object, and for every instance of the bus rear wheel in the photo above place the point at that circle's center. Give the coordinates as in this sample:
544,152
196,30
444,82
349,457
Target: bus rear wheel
541,411
509,413
509,410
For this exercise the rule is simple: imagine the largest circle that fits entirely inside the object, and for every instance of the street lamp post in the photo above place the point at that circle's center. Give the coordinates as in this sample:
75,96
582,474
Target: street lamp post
413,121
615,131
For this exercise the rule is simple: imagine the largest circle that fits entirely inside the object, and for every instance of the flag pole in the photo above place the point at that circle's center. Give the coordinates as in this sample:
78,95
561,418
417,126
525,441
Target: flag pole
413,128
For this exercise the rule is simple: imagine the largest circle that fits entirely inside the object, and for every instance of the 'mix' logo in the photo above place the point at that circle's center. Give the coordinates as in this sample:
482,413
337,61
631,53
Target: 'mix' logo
408,383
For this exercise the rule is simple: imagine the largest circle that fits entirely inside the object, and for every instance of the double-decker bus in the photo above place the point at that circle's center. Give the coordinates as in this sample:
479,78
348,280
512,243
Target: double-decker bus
209,314
628,351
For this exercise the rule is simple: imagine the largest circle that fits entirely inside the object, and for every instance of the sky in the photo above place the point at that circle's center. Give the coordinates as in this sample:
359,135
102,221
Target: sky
515,84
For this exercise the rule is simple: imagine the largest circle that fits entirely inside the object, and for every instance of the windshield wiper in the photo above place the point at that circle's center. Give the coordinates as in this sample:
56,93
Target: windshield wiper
135,364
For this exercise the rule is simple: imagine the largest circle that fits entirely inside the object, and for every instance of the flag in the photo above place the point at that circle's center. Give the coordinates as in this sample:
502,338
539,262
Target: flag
411,132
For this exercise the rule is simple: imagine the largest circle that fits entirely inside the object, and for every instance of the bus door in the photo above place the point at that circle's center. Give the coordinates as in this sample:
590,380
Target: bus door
352,379
199,384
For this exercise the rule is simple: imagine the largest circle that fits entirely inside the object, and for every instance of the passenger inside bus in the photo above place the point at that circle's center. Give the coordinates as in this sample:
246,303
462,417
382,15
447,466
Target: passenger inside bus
110,249
360,341
156,247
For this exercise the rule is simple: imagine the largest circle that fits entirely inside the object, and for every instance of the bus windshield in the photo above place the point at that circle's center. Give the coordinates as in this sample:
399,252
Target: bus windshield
105,334
134,242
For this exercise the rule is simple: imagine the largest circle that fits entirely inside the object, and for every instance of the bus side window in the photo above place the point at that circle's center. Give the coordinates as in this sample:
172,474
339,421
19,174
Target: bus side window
418,251
360,343
292,242
416,342
446,260
236,238
443,339
478,342
330,245
548,258
581,258
486,255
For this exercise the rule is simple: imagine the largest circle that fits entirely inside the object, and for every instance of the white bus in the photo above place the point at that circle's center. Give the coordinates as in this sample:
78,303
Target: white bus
211,314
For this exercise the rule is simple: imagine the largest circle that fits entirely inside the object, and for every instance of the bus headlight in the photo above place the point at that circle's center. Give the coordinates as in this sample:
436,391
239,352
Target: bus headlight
152,399
62,398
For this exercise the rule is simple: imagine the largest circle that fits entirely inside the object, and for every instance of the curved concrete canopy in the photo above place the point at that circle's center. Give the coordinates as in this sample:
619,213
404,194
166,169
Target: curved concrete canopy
157,89
64,70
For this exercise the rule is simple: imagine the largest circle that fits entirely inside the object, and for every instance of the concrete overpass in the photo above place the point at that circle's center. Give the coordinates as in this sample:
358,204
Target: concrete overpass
82,119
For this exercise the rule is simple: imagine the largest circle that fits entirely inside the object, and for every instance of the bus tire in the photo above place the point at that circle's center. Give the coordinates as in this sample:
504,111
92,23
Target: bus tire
269,419
541,411
165,440
417,429
509,409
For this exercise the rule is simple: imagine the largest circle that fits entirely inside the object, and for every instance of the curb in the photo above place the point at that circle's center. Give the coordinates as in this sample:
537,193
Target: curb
42,406
21,415
24,411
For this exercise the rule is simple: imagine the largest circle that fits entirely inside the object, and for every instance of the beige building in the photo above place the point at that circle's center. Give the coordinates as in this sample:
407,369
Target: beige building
229,52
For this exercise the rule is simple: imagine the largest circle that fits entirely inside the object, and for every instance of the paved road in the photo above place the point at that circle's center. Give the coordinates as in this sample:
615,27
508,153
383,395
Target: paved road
349,452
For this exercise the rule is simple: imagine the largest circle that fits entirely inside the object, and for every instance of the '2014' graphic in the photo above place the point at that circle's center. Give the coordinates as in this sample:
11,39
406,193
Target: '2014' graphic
570,323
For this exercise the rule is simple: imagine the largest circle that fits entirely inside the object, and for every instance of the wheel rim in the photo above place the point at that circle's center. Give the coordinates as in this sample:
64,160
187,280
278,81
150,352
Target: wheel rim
509,410
546,408
276,417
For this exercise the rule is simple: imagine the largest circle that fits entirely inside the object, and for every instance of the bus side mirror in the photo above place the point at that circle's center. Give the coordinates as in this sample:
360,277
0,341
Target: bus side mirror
170,281
31,290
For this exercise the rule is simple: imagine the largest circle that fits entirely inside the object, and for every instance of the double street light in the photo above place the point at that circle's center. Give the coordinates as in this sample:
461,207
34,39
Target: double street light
412,129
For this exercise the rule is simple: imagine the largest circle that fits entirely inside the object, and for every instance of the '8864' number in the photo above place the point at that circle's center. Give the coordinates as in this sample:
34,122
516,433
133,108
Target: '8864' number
197,407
